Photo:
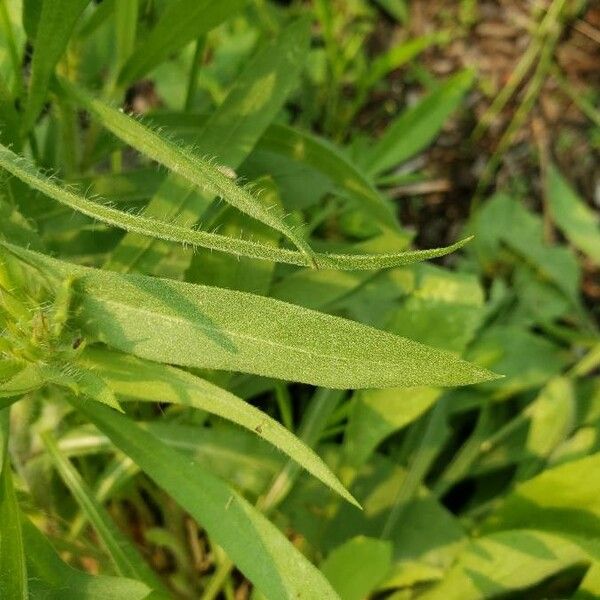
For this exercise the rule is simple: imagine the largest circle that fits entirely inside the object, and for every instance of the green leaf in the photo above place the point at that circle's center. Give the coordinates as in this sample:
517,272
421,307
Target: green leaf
56,22
230,133
563,499
192,325
155,228
181,22
416,128
123,554
329,160
507,562
133,378
13,578
575,219
50,578
255,545
185,162
358,566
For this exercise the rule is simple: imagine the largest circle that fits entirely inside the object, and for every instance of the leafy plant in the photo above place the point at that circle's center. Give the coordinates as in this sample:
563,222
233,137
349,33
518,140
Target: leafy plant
189,287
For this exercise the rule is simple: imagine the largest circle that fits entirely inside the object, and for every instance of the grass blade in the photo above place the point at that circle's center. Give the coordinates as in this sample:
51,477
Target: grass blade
123,554
181,22
13,578
415,128
52,579
56,22
192,325
256,546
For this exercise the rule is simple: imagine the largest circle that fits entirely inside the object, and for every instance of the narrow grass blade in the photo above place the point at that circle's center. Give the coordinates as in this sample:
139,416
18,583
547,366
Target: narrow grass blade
415,128
56,22
200,172
123,554
192,325
181,22
255,545
13,571
134,378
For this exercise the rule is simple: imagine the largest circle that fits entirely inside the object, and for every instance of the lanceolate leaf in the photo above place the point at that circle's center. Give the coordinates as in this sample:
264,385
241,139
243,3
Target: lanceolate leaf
193,325
255,545
185,162
182,22
142,380
230,133
193,237
56,22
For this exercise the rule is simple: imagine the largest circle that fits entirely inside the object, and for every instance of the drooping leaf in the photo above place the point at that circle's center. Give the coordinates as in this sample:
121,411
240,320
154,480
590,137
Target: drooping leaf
181,22
229,134
255,545
186,163
56,22
155,228
194,325
134,378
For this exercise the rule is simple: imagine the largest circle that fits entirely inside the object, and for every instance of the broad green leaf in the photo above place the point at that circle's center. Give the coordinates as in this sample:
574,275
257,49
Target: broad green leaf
507,562
255,545
415,129
563,499
552,418
13,572
229,134
56,22
185,162
134,378
181,22
575,219
155,228
123,554
192,325
355,568
50,578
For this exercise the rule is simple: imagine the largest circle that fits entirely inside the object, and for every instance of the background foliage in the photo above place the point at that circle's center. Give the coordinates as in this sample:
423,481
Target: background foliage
225,371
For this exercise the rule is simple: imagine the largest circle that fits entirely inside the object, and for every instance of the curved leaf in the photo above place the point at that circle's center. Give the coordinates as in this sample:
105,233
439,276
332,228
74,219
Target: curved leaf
255,545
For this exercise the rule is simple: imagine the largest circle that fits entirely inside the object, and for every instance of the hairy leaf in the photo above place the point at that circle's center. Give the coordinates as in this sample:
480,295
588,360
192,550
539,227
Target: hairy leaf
193,325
